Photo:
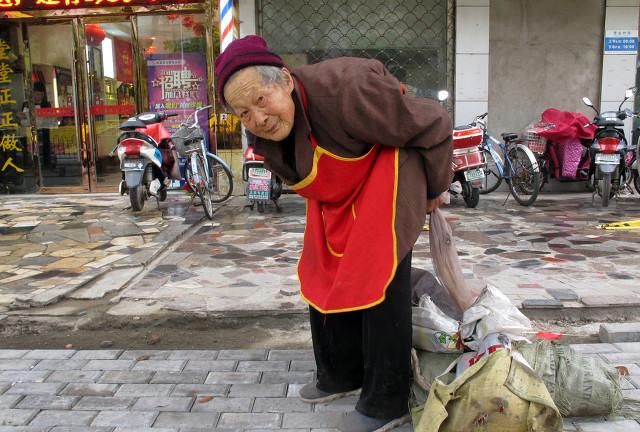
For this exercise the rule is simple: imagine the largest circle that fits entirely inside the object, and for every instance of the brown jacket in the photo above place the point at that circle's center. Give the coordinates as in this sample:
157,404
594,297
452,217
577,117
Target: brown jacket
354,103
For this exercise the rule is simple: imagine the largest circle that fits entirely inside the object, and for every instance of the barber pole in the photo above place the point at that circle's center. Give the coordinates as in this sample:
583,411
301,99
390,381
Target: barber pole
228,24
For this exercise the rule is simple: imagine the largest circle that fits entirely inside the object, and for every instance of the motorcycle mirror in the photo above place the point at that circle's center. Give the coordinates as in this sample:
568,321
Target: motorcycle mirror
587,102
443,95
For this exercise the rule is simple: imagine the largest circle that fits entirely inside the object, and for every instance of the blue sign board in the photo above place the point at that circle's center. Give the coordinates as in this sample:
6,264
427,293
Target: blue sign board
621,41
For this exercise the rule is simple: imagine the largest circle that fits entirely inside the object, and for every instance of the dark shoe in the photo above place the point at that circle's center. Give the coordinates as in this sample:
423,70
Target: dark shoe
311,394
358,422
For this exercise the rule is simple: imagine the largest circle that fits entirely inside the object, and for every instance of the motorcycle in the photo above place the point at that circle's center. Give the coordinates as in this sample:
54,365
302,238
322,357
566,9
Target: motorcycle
147,158
468,163
261,185
611,155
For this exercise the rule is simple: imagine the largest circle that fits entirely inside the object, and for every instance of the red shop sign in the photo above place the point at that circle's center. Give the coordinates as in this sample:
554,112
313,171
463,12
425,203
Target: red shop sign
112,109
54,112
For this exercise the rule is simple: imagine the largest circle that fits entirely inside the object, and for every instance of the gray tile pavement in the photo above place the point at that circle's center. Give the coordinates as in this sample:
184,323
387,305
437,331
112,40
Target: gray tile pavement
254,399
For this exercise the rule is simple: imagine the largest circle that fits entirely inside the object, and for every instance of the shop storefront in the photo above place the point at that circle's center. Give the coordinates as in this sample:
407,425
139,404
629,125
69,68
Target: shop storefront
72,70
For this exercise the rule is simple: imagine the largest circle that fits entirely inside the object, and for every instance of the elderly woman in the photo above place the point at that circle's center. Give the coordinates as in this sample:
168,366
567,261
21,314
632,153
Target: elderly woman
371,162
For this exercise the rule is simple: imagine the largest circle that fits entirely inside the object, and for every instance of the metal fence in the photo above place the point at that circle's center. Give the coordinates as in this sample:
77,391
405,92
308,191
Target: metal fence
412,38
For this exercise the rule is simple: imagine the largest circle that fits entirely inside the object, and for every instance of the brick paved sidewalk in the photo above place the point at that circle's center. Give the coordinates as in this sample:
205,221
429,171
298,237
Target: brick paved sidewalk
163,391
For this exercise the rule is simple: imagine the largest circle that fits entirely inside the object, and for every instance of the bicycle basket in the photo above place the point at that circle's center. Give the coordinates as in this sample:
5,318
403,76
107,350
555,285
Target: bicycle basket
187,139
535,142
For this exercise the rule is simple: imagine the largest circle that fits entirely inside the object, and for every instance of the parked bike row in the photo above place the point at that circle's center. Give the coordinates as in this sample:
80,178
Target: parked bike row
565,146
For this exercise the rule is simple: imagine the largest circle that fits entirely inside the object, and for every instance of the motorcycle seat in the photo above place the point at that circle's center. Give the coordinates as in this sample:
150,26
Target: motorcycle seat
508,136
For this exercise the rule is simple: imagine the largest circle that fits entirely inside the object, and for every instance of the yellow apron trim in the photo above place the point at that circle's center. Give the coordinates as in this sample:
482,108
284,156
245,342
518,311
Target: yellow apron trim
353,210
333,252
395,254
317,153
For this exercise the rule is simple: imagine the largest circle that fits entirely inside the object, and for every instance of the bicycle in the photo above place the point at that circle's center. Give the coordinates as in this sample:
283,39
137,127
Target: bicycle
515,164
212,181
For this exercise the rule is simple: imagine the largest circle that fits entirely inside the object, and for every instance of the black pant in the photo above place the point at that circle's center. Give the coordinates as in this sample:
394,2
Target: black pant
369,348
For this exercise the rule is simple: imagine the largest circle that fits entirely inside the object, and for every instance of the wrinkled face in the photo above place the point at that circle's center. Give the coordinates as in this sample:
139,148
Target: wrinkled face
265,108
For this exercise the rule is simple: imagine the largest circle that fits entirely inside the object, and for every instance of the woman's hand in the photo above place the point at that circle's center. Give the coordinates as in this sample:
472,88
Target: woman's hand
433,204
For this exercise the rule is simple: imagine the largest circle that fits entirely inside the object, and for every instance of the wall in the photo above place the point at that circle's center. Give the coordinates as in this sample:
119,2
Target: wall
544,53
472,60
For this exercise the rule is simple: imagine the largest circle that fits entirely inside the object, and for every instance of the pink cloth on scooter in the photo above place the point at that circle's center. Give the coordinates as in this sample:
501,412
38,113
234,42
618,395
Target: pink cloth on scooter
568,125
570,156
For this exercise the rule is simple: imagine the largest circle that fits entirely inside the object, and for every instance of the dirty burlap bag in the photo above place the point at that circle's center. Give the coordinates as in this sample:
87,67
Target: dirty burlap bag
497,394
580,384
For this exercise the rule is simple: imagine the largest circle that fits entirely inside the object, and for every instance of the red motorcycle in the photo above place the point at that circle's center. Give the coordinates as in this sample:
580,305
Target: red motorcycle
468,163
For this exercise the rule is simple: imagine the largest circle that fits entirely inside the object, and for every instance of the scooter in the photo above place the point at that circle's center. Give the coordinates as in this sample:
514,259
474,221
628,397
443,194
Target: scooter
147,158
610,152
468,163
262,185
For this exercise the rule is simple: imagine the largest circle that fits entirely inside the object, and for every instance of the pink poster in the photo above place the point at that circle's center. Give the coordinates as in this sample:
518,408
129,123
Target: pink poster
178,84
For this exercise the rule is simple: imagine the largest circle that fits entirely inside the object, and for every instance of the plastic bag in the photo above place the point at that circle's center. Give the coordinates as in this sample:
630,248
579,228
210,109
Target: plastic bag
493,312
446,262
433,330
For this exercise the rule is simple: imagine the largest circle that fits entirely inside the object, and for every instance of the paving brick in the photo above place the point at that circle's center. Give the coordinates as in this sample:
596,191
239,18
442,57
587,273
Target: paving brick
24,376
258,390
562,294
338,406
287,377
179,378
620,332
178,404
61,365
630,347
104,403
47,402
12,354
77,376
160,365
109,365
89,389
310,420
221,404
16,417
596,348
63,418
262,366
193,355
541,303
145,355
24,429
293,390
97,355
80,429
124,418
233,378
49,354
632,395
126,377
211,365
29,388
193,420
126,429
291,355
4,387
302,365
609,426
610,300
627,384
247,420
9,401
199,389
249,354
144,390
280,404
17,364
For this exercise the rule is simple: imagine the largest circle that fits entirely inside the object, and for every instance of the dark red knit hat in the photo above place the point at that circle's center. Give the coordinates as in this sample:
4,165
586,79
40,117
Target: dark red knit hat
247,51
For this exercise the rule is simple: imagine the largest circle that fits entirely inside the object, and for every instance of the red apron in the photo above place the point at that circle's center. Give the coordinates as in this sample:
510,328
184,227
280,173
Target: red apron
349,255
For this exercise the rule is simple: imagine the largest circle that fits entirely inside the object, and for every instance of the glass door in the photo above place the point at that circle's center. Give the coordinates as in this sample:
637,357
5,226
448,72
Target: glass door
110,94
50,108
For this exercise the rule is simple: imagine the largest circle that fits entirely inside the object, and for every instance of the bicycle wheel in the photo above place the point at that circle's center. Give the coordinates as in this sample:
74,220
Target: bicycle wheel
221,182
524,181
203,191
492,179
